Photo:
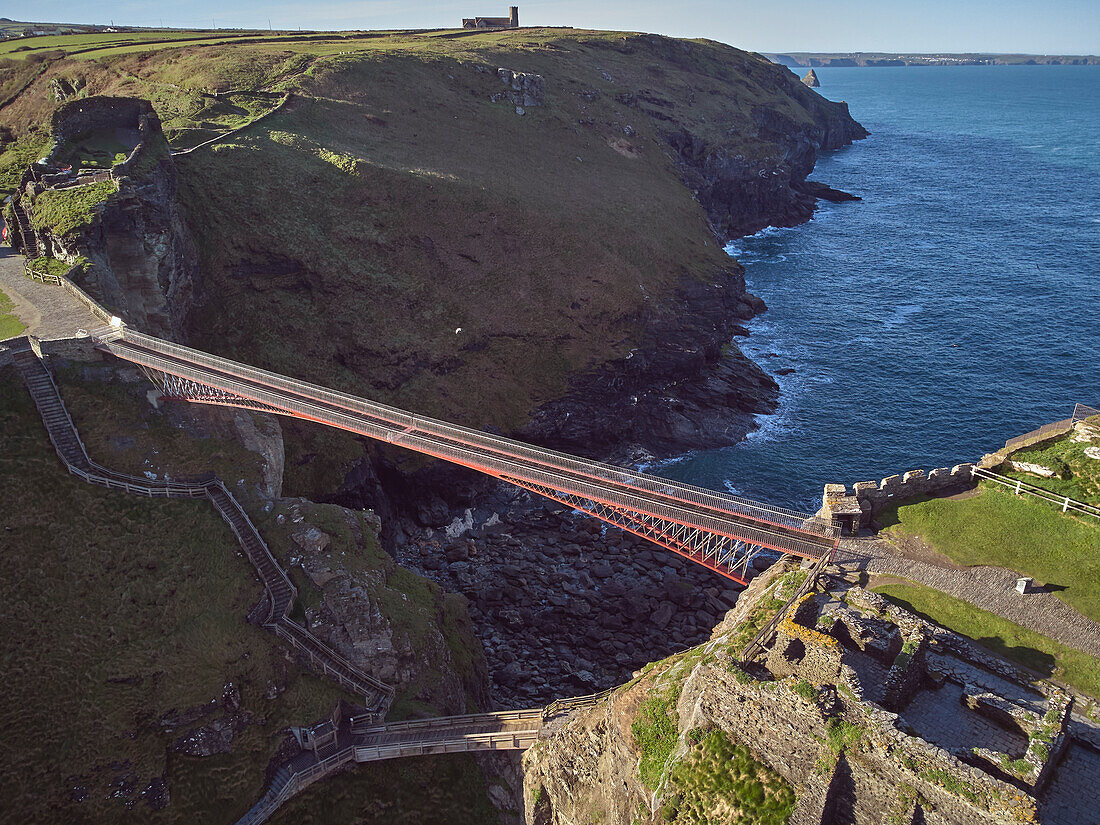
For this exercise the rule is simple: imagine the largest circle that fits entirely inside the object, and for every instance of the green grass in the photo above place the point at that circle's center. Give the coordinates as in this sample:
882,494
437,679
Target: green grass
655,734
1005,638
10,326
432,790
1083,481
50,266
765,608
840,736
118,610
65,210
1021,533
720,781
103,586
16,154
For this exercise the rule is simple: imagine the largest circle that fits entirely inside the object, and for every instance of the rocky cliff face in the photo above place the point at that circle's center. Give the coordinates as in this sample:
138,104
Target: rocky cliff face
697,738
142,260
743,195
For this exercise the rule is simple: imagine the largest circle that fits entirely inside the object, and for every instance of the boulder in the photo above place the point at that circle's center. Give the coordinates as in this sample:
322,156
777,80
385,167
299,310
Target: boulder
810,79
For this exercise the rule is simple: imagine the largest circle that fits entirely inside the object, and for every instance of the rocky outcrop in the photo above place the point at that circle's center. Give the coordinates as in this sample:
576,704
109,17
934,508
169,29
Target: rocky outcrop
810,79
563,605
743,195
526,89
143,263
683,388
809,748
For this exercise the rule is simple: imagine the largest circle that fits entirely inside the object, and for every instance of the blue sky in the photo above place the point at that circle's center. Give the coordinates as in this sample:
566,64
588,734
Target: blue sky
1034,26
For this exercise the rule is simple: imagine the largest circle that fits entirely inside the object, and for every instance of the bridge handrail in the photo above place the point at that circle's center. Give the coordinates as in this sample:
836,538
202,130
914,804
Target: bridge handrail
438,722
400,418
757,643
67,284
1020,486
812,546
514,740
561,705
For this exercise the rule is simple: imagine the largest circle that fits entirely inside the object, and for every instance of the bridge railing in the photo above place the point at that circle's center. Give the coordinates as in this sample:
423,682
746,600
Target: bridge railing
67,284
503,740
808,545
442,722
406,423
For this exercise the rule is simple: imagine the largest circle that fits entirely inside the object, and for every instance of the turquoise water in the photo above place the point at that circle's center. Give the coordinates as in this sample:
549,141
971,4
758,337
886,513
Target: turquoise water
957,305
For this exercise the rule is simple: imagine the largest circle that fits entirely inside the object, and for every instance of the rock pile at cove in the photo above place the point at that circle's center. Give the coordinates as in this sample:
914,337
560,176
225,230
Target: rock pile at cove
562,603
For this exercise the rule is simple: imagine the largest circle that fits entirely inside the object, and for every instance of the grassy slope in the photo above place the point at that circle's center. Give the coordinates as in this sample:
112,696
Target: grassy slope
122,588
1083,483
10,326
1003,637
1020,533
399,204
171,584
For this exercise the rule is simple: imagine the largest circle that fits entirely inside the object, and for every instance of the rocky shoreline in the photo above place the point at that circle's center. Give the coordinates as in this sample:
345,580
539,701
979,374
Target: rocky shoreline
562,603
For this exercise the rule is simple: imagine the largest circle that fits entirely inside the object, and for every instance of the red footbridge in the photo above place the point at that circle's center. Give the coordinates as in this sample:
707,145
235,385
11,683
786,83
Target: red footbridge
721,532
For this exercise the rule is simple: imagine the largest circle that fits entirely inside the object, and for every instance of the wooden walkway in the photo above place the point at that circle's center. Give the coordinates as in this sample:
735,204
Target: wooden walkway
279,593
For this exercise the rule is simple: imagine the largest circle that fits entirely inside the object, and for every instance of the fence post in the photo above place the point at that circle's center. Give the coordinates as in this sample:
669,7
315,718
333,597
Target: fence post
1065,506
1017,486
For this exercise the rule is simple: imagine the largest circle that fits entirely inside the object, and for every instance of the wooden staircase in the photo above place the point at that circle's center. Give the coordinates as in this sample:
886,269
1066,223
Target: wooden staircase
28,237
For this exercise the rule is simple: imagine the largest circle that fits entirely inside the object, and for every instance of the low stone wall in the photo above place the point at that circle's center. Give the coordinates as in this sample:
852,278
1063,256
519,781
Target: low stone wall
872,497
98,112
802,651
907,672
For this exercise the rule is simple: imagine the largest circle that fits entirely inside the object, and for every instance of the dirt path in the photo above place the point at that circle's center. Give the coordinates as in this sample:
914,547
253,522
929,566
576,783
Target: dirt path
47,310
990,588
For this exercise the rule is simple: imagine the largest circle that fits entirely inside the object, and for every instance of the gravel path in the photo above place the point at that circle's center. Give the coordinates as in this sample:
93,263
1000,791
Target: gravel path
48,311
990,588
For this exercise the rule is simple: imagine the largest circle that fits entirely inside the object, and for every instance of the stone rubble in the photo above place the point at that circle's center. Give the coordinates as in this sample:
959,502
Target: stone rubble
564,604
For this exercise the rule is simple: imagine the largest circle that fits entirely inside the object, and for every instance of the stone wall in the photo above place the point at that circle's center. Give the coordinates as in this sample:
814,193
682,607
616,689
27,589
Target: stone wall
100,112
872,497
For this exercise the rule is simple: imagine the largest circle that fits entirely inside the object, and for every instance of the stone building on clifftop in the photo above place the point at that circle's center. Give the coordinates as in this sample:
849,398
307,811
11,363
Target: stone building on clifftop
509,22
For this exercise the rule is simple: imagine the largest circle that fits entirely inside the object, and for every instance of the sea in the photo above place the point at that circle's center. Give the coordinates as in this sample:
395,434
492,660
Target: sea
956,305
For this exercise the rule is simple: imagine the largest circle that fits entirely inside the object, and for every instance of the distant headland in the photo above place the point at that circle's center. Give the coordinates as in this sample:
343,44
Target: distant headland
819,59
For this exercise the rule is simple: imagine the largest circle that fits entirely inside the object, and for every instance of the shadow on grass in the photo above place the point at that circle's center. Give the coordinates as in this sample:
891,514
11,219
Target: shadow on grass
1040,661
889,517
1049,588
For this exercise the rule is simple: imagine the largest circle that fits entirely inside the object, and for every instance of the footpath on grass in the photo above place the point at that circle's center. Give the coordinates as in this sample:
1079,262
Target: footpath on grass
991,588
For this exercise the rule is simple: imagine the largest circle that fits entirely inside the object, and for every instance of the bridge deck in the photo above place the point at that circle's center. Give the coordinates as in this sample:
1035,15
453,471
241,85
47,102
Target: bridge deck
219,380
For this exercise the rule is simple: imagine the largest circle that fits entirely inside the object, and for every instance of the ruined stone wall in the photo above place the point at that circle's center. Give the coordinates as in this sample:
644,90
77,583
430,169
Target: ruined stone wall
100,112
873,497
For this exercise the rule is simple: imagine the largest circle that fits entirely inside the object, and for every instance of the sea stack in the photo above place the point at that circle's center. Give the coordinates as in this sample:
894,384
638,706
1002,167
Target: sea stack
810,79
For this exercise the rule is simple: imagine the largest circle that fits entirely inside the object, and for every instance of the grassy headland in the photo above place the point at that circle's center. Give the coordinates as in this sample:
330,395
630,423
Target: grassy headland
400,231
125,613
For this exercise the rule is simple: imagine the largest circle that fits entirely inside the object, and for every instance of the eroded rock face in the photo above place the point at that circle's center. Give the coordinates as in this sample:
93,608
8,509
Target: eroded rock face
144,264
684,388
823,753
810,79
565,605
381,618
